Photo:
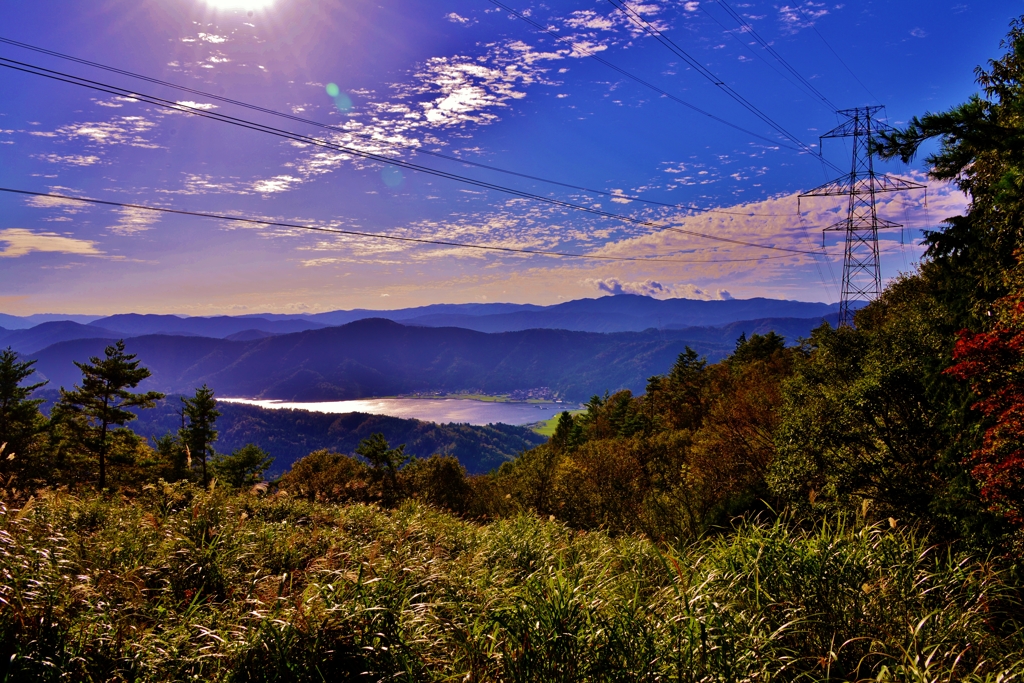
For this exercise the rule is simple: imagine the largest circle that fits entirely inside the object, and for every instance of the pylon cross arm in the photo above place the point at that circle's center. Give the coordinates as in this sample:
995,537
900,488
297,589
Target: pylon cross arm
862,224
860,184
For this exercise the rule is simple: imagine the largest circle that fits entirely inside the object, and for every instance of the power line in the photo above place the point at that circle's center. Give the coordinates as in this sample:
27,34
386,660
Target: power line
771,50
243,123
648,28
369,138
381,236
751,50
833,51
582,49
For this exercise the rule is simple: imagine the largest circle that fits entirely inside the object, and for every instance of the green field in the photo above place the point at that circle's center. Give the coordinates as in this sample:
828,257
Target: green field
547,427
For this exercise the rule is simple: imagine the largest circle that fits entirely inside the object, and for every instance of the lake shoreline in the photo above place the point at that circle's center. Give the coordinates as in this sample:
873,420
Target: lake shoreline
448,409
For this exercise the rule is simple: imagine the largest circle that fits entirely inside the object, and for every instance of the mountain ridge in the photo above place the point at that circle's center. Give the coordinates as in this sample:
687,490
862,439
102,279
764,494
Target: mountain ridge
623,312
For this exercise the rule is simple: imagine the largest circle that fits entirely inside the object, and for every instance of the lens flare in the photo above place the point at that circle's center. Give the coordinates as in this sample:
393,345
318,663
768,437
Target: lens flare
343,102
392,176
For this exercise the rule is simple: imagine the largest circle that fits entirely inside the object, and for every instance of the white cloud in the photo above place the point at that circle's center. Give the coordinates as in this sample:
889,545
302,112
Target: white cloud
281,183
457,19
205,106
122,130
658,290
132,220
800,16
618,197
71,159
20,242
66,205
444,93
589,19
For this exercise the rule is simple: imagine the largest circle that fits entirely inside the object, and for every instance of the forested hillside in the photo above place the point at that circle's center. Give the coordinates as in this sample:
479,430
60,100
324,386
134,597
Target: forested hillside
381,358
290,434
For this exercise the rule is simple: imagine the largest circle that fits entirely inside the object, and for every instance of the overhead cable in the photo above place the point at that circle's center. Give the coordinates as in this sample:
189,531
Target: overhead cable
630,13
754,52
243,123
380,236
369,138
833,51
770,49
583,50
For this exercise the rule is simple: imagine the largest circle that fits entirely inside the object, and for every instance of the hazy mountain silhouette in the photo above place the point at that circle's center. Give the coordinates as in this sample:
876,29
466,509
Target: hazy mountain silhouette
378,357
620,313
134,325
16,322
627,312
28,341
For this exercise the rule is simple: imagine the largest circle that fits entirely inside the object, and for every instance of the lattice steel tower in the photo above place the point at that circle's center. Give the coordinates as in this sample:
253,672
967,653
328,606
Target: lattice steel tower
862,278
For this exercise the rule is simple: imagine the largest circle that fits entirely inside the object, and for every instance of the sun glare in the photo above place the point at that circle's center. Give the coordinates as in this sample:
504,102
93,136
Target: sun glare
239,4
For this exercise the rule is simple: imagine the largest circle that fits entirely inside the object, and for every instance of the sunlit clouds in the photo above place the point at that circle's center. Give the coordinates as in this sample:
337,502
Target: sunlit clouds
376,93
16,242
132,221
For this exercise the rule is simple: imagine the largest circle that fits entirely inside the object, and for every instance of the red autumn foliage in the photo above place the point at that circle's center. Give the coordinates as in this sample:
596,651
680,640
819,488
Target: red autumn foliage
993,363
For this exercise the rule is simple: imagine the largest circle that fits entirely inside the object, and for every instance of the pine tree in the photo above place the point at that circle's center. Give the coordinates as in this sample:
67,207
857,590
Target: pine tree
104,399
20,419
385,462
199,434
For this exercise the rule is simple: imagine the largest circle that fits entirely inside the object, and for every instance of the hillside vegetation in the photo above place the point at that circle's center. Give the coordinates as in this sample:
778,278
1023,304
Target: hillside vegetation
847,509
180,584
290,434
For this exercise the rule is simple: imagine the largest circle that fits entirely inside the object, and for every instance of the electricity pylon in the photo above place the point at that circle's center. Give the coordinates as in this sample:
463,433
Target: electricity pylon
862,278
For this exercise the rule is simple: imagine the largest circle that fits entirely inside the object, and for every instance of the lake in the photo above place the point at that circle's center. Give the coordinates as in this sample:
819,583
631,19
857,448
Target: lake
430,409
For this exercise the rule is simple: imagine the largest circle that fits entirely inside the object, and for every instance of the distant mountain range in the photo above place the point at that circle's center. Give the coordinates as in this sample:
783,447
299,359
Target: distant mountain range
623,313
577,348
379,357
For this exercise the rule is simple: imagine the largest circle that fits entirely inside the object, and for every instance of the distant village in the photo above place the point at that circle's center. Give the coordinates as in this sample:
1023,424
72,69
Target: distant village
535,394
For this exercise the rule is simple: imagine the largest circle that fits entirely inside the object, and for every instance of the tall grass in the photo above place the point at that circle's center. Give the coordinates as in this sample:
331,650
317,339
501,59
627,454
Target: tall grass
184,584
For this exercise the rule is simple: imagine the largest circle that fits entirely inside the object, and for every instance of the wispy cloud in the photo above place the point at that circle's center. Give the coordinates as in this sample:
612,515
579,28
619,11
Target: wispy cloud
444,94
281,183
121,130
65,205
69,159
19,242
132,221
795,18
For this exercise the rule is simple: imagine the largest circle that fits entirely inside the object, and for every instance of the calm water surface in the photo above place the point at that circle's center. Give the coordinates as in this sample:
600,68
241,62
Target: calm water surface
430,409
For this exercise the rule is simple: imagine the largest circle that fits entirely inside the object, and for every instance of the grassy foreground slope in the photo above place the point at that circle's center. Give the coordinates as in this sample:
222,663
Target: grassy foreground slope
185,584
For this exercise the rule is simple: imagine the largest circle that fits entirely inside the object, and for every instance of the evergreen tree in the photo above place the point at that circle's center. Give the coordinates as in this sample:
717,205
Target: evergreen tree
20,419
244,467
567,434
199,434
982,151
103,400
385,462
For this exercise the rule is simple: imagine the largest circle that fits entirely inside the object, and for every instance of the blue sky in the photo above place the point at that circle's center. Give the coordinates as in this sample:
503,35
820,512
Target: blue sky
465,79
